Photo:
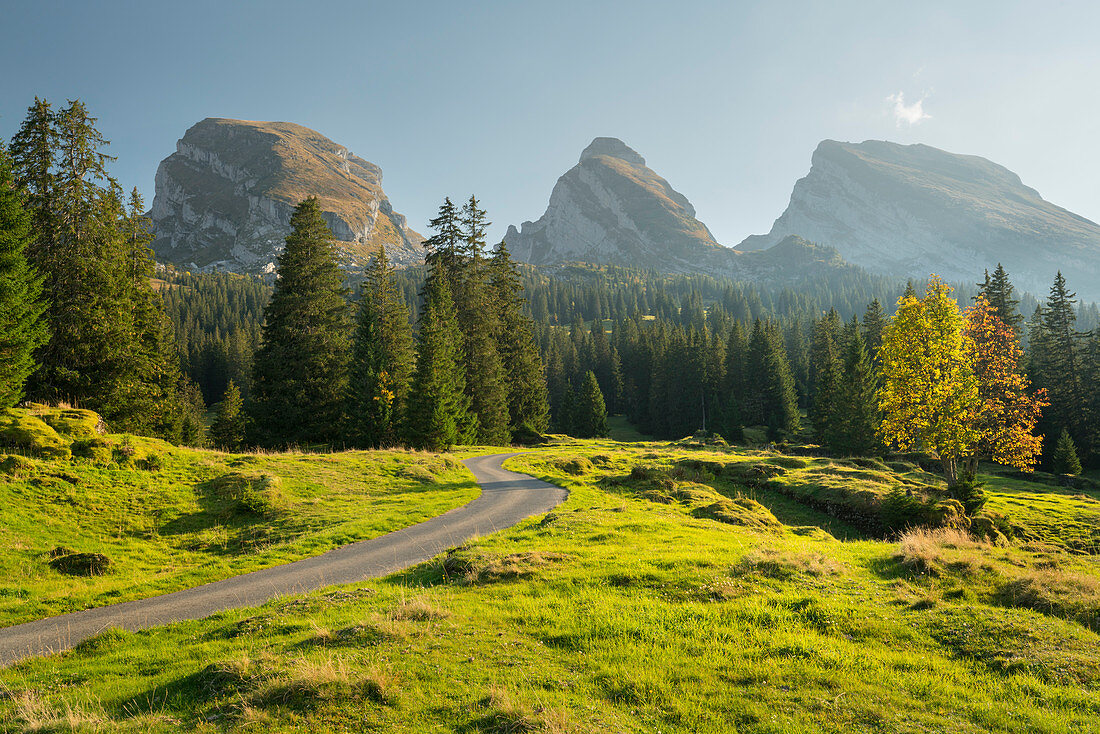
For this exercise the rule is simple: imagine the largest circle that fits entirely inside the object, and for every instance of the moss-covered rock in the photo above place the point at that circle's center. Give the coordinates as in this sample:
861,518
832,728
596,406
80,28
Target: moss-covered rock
74,422
79,564
95,449
20,429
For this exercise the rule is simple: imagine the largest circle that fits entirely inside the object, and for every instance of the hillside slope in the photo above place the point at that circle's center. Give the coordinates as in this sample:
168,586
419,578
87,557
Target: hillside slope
910,210
224,198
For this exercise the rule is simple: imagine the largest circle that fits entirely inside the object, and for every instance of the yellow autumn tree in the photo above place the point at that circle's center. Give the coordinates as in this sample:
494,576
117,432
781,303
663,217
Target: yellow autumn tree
929,397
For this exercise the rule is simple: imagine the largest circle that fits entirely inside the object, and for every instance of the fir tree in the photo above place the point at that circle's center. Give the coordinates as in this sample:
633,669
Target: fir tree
825,373
1064,459
856,416
590,419
382,359
528,402
21,327
438,414
1000,294
1057,355
485,380
229,425
874,322
301,370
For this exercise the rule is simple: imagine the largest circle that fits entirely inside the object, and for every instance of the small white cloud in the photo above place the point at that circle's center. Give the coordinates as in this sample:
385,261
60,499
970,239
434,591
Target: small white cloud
907,114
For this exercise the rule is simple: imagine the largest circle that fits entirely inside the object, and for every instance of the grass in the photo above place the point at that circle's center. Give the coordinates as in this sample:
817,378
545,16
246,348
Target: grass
625,609
167,518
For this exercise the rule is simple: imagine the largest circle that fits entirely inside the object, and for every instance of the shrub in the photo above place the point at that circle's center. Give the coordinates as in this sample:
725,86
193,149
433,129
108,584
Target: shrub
968,490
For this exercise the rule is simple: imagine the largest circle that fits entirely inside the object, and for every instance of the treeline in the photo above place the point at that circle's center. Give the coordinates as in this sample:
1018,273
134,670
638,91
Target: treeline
328,373
81,323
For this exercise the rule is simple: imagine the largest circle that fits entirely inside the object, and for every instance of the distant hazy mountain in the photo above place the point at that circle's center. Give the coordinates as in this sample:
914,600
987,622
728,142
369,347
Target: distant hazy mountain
224,198
910,210
611,209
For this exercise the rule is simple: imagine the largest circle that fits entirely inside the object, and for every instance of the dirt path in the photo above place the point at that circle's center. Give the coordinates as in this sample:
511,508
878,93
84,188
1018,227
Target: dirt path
506,498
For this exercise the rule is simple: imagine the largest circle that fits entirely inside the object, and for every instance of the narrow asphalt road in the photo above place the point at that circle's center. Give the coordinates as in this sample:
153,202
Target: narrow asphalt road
506,498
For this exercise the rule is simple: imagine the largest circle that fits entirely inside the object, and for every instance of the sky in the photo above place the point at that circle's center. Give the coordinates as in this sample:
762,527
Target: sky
726,100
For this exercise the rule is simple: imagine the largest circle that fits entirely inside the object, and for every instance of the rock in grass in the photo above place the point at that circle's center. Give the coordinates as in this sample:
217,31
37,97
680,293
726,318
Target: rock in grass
79,564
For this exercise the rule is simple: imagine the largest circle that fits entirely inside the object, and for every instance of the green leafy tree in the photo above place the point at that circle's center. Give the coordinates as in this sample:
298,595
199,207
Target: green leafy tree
382,359
22,329
228,429
438,414
590,415
300,374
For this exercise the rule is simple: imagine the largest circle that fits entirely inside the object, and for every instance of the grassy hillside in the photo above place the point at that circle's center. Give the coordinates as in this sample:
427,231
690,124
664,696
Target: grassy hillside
88,519
676,590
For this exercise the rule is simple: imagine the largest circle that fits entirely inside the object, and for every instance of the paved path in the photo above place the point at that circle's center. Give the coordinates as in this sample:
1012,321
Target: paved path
506,498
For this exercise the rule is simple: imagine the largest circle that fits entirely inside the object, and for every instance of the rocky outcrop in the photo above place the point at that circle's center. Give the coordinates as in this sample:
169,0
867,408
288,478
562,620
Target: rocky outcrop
612,209
224,198
910,210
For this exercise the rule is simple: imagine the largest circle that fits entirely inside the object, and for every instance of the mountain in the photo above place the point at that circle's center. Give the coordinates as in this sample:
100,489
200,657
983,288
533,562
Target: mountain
910,210
224,198
611,209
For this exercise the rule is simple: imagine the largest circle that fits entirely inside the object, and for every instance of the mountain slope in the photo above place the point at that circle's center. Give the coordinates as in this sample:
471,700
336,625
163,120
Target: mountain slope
224,198
909,210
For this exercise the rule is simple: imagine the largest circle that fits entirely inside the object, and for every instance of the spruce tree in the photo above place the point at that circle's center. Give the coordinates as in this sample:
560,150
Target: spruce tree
1000,294
528,402
825,373
228,428
382,359
734,383
856,416
1060,364
485,380
590,419
22,329
438,415
781,400
874,322
300,374
1064,459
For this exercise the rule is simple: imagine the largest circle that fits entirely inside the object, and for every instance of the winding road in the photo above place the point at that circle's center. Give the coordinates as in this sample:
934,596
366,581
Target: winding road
506,498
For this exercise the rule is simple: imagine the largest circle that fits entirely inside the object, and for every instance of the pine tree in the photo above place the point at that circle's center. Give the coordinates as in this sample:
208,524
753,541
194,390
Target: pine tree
770,394
229,425
1000,294
528,402
1064,459
485,380
874,322
856,417
382,359
438,414
22,329
734,384
1057,356
301,369
825,374
590,420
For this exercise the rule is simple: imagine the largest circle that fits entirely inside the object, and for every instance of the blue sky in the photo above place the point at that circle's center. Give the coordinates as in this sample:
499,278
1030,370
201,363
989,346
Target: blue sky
726,100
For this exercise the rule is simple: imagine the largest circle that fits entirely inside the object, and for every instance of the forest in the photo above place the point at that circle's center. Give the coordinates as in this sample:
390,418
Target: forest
474,348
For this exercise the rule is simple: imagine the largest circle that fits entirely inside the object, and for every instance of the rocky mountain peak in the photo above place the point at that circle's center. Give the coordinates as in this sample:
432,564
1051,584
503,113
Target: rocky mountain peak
224,198
909,210
614,148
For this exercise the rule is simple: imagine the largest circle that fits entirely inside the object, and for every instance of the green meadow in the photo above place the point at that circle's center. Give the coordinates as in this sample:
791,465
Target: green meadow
678,589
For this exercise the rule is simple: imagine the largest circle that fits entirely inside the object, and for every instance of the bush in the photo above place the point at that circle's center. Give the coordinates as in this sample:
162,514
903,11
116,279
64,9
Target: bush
79,564
969,492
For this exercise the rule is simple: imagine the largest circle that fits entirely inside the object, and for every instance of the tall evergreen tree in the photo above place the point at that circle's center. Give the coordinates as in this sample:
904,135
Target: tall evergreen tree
528,402
22,329
874,322
485,380
229,424
1000,294
1064,459
1057,357
855,417
382,359
590,417
300,373
771,398
825,373
438,415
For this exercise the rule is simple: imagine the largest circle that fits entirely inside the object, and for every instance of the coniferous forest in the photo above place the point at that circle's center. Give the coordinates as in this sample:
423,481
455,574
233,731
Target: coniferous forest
473,348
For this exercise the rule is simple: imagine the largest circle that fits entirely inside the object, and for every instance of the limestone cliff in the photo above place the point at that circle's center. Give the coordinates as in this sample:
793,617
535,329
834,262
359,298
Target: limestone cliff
224,198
